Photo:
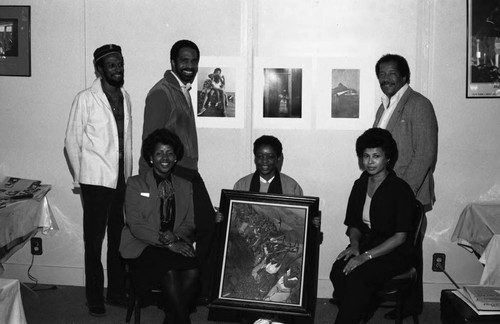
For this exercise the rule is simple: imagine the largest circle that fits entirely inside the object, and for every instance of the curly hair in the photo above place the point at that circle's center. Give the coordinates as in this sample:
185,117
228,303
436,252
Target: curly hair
400,61
378,137
268,140
165,137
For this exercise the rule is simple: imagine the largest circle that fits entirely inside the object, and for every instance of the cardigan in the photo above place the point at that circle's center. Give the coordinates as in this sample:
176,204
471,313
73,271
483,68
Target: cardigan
392,210
167,107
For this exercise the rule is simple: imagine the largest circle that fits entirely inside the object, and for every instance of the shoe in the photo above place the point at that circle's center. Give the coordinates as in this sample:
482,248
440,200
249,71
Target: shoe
202,301
391,315
334,300
117,301
262,321
97,311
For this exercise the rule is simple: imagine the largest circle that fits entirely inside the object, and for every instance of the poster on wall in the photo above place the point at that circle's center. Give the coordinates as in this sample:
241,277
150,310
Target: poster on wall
344,93
483,49
15,47
219,90
282,88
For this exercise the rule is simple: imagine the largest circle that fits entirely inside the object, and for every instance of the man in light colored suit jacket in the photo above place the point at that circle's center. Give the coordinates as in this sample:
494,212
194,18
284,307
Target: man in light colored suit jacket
411,119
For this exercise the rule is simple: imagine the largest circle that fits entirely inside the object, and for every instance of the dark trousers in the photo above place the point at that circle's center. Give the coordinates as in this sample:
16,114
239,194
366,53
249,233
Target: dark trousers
356,290
204,221
103,207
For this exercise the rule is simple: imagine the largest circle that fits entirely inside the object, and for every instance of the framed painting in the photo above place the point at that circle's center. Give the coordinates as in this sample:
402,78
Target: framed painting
268,251
483,49
15,47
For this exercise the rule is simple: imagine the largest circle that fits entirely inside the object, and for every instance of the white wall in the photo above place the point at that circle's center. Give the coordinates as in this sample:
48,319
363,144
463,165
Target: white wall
430,34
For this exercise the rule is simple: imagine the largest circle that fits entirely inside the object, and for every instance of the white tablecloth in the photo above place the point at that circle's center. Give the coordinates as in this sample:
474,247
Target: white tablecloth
22,220
11,305
479,228
491,260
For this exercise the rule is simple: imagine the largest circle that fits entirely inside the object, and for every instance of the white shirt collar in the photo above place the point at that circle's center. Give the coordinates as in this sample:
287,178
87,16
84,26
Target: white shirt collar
186,86
395,98
266,181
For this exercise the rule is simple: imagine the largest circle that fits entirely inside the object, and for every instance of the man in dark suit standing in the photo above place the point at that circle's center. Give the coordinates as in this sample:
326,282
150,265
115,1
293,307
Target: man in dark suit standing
411,119
168,105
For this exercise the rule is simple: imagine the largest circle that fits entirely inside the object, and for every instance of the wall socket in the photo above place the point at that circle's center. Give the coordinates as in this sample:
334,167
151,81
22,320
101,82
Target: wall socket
36,246
438,262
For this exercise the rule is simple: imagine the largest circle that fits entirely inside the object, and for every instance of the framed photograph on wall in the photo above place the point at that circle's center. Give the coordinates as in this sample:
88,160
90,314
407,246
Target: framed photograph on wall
282,88
483,49
218,92
268,252
15,43
344,93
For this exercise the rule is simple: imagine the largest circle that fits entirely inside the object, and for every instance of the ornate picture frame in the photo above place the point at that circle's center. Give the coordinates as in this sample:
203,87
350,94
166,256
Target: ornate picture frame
267,254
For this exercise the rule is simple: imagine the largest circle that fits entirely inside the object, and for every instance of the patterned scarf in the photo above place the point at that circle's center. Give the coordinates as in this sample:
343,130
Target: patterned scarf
166,193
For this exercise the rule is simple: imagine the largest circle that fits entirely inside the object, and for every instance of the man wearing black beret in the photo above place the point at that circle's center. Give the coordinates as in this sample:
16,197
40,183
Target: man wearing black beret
99,147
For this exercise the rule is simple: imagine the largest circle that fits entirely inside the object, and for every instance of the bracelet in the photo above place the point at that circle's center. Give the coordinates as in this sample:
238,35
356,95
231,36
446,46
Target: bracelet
369,255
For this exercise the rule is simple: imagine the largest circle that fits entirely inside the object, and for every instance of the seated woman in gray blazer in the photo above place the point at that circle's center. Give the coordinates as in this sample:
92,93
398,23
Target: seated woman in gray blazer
158,236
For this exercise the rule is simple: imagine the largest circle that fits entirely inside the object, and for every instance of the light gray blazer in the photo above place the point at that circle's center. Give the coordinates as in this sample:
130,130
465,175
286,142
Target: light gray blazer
414,127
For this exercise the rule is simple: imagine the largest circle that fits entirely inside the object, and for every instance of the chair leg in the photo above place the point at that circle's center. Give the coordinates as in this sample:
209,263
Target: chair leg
399,309
415,319
130,308
137,311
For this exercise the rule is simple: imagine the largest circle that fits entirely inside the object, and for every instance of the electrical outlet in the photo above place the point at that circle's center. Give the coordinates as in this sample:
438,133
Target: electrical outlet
438,262
36,246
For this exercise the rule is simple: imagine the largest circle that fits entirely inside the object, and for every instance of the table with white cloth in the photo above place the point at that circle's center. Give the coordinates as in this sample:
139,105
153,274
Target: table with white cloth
11,305
478,230
21,220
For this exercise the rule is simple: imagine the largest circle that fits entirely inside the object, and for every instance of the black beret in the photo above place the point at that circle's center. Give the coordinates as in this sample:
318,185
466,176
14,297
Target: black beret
106,50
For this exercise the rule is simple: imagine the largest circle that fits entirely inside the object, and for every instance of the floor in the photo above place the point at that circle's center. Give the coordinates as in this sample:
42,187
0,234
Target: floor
66,305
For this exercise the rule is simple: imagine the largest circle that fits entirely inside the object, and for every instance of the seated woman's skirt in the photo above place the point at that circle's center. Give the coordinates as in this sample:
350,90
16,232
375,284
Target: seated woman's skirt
147,270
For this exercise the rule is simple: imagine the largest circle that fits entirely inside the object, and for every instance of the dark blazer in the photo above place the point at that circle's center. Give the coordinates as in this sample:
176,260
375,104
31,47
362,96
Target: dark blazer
142,213
414,127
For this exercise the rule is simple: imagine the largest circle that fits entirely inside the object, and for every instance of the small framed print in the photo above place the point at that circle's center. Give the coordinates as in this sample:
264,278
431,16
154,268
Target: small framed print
220,92
344,94
15,43
282,93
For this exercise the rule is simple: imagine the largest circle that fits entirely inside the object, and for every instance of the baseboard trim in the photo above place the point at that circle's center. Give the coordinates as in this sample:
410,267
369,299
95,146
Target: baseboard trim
67,276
